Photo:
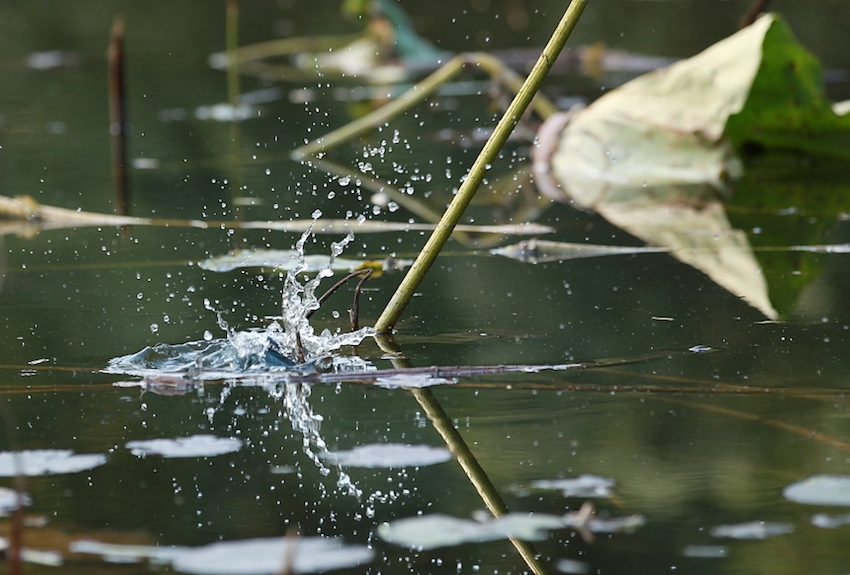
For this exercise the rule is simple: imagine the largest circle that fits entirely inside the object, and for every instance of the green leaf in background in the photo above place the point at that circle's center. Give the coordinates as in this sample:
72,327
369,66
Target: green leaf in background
786,107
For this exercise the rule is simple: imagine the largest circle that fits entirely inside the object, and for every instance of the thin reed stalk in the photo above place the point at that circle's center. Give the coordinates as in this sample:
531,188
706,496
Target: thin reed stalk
453,213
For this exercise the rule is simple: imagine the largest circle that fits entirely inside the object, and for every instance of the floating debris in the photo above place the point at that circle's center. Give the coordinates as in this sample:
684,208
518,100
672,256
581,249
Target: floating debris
11,500
752,530
122,553
34,556
820,490
193,446
536,251
830,521
412,380
225,112
390,455
572,566
52,59
585,486
47,462
269,556
705,551
277,259
438,530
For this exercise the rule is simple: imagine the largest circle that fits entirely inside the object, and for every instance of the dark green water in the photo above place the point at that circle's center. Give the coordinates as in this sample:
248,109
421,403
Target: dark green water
692,440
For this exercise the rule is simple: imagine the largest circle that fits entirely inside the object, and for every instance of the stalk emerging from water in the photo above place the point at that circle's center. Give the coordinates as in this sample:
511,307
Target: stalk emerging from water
476,174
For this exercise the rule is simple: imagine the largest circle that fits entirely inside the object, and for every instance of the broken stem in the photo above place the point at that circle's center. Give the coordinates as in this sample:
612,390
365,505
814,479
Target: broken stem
453,213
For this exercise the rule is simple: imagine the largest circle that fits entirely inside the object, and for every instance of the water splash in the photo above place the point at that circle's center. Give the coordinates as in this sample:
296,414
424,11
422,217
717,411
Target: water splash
297,337
287,345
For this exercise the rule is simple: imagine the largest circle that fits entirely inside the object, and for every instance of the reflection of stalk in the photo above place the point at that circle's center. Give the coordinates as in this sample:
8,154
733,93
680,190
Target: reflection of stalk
476,474
118,117
464,456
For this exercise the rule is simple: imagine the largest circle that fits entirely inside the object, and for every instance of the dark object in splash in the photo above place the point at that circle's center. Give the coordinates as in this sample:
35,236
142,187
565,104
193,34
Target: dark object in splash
274,357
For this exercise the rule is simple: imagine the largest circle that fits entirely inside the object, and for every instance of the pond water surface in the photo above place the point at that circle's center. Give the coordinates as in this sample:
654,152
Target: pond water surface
681,412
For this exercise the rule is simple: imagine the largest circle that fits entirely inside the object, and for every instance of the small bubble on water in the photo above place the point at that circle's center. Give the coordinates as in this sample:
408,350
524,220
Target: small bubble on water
331,195
208,335
316,214
154,327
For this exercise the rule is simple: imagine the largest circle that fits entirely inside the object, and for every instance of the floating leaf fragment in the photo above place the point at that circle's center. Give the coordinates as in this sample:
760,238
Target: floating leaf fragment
201,445
586,486
438,530
625,524
538,251
11,500
826,521
390,455
413,380
820,490
278,259
752,530
269,556
47,462
124,553
34,556
705,551
572,566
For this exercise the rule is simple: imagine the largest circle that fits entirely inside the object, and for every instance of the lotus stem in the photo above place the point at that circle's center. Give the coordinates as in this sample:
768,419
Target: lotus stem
476,174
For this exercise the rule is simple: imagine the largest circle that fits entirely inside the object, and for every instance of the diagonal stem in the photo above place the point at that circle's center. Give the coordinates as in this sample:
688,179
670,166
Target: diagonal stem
476,174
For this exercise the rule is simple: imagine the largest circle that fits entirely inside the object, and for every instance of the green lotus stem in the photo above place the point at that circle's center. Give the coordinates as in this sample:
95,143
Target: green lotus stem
453,213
